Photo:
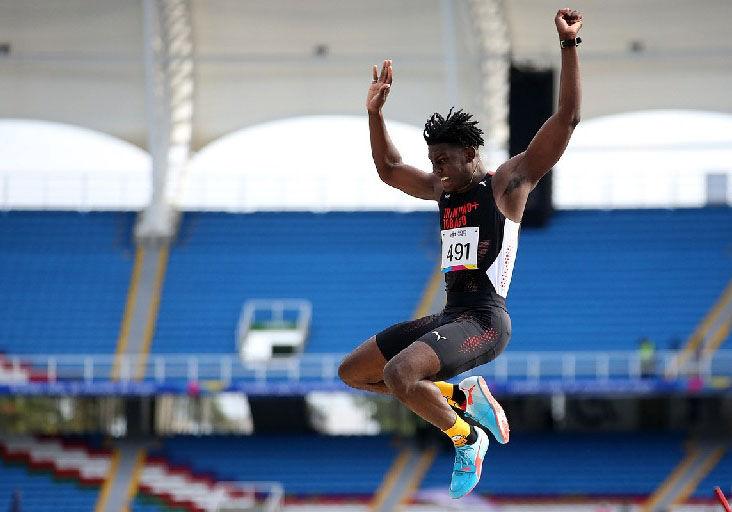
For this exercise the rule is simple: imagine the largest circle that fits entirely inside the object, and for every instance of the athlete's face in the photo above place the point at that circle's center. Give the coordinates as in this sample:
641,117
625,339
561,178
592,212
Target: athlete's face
453,165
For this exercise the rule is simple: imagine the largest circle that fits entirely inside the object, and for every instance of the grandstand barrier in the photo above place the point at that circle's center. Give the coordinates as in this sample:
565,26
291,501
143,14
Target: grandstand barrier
589,372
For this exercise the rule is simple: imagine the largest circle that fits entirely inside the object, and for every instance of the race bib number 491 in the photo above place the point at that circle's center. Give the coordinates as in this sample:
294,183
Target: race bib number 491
459,249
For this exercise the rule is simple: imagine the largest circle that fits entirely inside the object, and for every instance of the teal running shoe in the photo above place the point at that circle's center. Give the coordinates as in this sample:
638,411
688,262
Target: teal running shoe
468,465
480,406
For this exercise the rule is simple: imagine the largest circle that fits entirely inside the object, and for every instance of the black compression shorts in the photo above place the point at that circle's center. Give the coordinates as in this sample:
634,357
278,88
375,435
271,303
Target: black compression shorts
462,338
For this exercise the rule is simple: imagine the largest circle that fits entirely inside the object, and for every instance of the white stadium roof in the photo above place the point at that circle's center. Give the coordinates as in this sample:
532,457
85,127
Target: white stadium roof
80,63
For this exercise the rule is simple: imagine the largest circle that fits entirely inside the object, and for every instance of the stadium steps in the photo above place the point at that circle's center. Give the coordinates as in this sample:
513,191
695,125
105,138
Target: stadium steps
720,475
699,460
434,297
711,331
402,479
141,309
122,478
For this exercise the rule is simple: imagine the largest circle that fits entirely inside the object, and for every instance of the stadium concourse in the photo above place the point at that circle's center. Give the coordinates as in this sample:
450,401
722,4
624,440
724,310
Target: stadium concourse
193,235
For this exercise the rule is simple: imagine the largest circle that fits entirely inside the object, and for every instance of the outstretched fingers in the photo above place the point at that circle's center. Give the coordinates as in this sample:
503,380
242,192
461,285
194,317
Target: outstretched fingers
385,76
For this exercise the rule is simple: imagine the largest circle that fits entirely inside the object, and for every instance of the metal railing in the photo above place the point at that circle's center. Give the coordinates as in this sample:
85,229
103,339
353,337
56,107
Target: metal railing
228,368
80,190
244,192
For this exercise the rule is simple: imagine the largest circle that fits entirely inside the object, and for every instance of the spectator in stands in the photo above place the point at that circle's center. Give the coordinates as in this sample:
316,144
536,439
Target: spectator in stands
480,215
647,355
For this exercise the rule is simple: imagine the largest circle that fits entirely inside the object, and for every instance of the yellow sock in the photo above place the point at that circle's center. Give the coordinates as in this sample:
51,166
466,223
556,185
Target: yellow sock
446,389
459,432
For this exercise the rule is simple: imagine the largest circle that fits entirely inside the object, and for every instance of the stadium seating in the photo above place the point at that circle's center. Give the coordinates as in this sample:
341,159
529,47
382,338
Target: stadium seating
362,272
623,464
621,275
598,280
64,279
146,504
42,492
352,466
720,476
616,464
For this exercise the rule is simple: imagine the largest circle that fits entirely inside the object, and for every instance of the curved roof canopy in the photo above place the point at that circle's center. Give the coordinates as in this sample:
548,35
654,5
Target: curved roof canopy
305,163
54,165
655,158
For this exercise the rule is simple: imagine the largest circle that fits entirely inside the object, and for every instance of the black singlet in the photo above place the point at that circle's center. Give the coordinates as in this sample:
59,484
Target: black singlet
486,285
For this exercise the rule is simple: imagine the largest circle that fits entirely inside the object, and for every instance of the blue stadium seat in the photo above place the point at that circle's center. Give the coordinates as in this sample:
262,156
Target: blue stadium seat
344,465
64,279
576,464
627,464
362,272
147,504
720,476
41,492
598,280
592,280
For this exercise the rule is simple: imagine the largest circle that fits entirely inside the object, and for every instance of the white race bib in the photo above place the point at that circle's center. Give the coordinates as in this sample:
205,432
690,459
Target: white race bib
459,249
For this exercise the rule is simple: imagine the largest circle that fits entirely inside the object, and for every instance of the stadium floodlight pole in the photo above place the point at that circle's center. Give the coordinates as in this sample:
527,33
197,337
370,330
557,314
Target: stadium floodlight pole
169,104
495,44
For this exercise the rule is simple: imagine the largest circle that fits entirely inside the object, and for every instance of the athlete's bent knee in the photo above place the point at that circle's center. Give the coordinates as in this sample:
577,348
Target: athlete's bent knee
350,371
346,372
397,378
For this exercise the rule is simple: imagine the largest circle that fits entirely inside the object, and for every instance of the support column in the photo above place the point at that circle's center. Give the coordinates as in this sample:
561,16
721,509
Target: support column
169,106
490,20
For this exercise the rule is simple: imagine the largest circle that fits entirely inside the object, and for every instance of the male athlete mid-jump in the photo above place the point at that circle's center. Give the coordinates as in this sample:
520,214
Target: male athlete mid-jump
480,215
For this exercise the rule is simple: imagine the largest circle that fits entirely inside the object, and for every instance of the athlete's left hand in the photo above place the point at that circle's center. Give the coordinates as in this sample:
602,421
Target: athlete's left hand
568,22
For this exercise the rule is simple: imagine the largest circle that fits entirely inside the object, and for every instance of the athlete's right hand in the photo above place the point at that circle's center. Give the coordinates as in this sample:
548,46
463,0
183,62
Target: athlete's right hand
379,88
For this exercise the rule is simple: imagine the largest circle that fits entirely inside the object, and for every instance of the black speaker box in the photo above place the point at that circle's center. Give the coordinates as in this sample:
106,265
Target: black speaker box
531,102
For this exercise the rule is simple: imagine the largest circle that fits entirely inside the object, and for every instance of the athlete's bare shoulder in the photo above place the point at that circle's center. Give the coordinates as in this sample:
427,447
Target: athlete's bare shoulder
511,188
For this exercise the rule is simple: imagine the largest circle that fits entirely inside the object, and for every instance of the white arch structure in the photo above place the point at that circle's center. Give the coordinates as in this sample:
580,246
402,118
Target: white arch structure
47,165
313,163
320,163
653,158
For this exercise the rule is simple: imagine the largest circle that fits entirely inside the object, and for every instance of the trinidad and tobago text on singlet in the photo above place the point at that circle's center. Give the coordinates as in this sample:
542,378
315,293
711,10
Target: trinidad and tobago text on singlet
478,247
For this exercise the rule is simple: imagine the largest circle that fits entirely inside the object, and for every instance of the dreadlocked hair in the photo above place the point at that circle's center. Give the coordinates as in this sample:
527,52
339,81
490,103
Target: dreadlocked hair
456,128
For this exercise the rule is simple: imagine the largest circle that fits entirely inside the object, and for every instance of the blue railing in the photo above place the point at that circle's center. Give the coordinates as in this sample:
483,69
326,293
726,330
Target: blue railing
512,373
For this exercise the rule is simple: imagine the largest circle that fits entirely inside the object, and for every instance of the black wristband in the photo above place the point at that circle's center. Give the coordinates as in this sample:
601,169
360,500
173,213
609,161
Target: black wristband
566,43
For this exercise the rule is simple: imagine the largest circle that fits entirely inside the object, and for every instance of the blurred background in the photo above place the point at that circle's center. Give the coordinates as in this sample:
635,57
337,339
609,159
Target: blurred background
193,235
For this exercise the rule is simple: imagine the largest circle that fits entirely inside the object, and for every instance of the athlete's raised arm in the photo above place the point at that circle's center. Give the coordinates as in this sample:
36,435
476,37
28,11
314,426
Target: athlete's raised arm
389,165
517,177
